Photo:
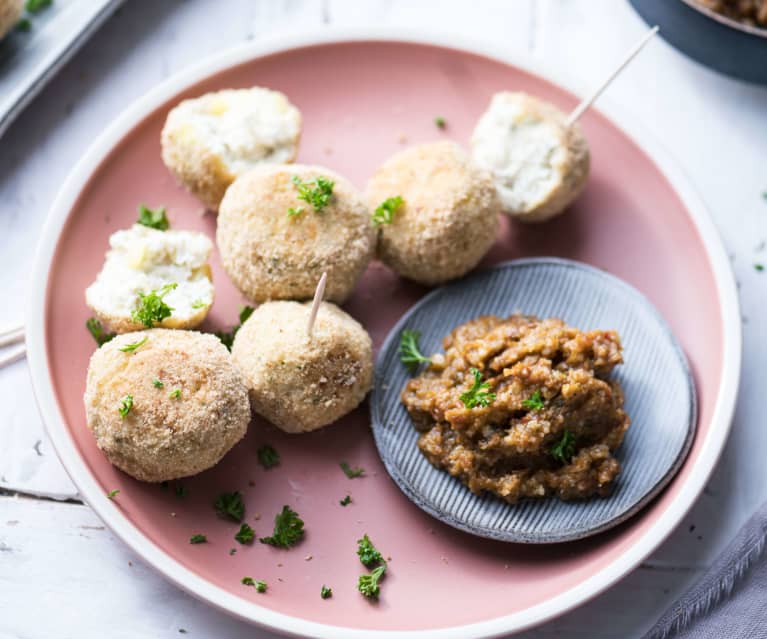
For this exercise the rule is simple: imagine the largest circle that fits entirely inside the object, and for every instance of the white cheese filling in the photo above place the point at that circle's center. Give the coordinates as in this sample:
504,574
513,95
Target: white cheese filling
141,260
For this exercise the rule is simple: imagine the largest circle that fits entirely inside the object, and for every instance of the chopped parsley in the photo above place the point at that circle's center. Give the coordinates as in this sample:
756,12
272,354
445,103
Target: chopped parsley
232,551
288,529
478,394
368,554
316,192
153,218
261,586
759,267
384,213
35,6
198,304
246,534
350,472
181,491
230,505
97,331
157,383
248,581
24,25
113,493
129,348
227,338
564,450
268,456
125,406
346,500
198,539
368,584
326,592
409,353
294,212
175,394
440,122
150,307
534,402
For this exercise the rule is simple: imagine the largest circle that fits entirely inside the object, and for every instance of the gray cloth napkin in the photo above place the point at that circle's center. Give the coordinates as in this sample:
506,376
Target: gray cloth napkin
730,601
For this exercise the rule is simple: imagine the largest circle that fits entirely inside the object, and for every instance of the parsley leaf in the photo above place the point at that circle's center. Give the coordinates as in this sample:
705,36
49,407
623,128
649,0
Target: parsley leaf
326,592
129,348
384,213
288,529
268,456
316,192
245,535
113,493
97,331
198,539
534,402
350,472
564,450
175,394
125,406
478,394
409,353
368,584
346,500
157,383
35,6
440,122
227,338
153,218
368,554
151,308
230,505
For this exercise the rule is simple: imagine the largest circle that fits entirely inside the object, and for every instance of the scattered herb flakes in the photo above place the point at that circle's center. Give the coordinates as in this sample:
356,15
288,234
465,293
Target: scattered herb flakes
175,393
440,122
36,6
227,338
232,551
150,307
198,304
134,346
350,472
198,539
384,213
368,553
368,584
113,493
248,581
759,267
564,450
346,500
157,383
153,218
288,529
409,352
24,25
295,212
97,331
479,393
245,535
325,592
230,505
125,406
316,192
261,586
534,402
268,457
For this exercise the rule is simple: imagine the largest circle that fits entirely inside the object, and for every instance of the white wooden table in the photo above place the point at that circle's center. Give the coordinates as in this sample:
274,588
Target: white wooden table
62,574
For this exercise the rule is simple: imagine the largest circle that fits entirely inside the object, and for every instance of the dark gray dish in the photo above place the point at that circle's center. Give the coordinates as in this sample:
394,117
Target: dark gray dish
717,42
659,398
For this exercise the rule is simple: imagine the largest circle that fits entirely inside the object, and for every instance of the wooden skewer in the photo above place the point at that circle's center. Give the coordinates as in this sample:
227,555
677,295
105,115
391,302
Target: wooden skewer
587,102
11,334
13,356
319,293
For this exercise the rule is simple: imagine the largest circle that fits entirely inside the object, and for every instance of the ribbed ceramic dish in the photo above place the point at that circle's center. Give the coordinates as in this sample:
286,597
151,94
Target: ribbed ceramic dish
658,387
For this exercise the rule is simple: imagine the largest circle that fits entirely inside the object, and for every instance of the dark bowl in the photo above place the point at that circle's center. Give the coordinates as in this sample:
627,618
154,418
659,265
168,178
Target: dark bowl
725,45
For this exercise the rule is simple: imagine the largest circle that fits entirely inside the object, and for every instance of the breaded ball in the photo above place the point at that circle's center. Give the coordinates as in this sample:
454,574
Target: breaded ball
297,382
276,246
208,141
10,12
539,164
170,407
448,218
142,261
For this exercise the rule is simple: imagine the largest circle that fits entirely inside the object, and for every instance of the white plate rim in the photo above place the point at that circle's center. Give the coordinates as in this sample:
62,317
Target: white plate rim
184,578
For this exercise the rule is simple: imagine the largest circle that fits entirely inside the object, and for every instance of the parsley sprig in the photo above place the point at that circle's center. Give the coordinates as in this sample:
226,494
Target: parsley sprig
97,331
133,346
369,555
409,352
227,338
230,505
245,535
316,192
150,307
534,402
564,449
153,218
479,394
288,529
384,213
268,457
368,584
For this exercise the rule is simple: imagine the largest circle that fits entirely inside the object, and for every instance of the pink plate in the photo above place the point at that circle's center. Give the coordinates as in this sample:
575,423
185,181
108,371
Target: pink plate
362,95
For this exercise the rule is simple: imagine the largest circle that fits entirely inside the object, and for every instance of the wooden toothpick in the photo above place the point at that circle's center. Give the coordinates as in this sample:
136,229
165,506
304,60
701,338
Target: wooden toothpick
319,293
587,102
